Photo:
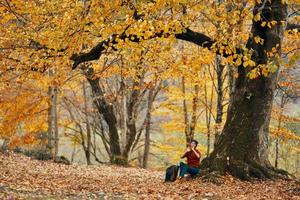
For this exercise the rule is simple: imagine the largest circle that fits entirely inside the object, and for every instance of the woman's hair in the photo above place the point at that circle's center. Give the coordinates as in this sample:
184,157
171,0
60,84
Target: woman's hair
195,141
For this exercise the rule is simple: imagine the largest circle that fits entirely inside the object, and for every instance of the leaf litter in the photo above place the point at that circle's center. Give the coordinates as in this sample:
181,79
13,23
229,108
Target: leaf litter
24,178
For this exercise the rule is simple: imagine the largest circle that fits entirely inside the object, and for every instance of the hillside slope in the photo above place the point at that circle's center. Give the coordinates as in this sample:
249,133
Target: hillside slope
24,178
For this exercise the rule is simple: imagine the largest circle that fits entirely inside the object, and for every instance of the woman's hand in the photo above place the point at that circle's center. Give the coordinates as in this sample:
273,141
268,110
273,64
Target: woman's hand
188,149
196,153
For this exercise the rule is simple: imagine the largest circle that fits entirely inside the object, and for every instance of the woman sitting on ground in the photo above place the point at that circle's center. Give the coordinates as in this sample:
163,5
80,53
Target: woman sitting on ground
193,160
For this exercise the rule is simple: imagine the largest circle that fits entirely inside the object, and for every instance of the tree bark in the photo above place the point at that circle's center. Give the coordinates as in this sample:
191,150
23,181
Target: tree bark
283,101
194,111
50,116
277,148
123,114
55,119
185,113
131,118
106,110
147,128
88,127
244,140
220,98
208,114
50,121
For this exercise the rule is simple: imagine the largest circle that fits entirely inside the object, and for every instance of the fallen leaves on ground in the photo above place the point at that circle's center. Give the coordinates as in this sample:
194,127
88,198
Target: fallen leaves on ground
22,177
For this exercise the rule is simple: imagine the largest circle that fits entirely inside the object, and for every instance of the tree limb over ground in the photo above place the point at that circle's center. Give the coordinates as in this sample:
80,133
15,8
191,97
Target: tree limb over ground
187,35
95,53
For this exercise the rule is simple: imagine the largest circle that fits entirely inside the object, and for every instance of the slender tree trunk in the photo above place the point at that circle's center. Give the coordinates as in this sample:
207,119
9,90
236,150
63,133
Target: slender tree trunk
244,140
220,69
50,116
147,129
94,141
208,108
185,113
194,112
124,117
276,151
88,127
131,118
55,118
50,121
282,103
78,126
277,142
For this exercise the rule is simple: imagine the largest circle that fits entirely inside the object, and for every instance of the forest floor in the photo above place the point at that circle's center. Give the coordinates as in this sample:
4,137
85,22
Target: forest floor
24,178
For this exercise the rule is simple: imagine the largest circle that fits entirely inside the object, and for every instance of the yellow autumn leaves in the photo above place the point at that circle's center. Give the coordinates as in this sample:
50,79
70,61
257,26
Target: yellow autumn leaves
44,34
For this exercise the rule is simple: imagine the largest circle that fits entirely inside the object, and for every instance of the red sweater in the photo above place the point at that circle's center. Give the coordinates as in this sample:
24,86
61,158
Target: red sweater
192,159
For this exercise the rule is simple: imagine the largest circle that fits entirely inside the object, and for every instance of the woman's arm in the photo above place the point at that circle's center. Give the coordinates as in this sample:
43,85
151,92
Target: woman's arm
196,153
184,154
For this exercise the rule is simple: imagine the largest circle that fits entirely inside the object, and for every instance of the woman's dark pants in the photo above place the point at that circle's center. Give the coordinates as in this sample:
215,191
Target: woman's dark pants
184,168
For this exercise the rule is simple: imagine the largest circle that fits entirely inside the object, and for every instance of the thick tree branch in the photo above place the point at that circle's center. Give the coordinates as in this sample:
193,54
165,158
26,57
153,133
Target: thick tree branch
95,53
188,35
196,38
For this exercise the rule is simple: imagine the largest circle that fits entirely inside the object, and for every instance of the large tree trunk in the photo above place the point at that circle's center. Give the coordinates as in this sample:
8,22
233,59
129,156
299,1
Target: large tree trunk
242,148
106,110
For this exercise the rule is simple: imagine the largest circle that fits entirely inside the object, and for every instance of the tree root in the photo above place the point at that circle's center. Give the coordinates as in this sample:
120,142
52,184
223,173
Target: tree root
243,170
213,177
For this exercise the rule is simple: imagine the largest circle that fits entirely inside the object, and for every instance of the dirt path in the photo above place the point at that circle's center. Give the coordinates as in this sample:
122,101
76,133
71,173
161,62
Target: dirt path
24,178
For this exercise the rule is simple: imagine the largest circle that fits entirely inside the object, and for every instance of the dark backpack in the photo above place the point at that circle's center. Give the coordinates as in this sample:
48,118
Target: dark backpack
171,173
